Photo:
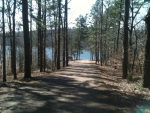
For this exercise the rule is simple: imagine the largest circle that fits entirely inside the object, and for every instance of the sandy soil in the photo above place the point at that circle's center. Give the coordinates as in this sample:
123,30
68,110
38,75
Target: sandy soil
83,87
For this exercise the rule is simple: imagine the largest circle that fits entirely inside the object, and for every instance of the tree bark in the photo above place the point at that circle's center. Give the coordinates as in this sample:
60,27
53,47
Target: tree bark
40,39
4,49
101,39
31,30
118,31
11,38
66,26
14,42
58,55
146,74
27,67
125,41
64,43
44,37
55,24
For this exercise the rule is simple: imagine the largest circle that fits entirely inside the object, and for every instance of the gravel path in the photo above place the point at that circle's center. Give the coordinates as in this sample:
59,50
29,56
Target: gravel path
78,88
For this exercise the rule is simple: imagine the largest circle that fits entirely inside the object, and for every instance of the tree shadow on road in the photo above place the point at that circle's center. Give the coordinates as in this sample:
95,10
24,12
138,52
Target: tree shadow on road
64,93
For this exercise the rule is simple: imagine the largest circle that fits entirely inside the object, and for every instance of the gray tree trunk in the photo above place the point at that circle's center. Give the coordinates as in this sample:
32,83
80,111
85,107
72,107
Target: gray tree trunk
4,49
27,72
66,26
14,42
146,71
58,55
125,41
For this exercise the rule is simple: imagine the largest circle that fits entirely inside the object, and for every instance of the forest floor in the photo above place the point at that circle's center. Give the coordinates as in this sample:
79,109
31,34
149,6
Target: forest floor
82,87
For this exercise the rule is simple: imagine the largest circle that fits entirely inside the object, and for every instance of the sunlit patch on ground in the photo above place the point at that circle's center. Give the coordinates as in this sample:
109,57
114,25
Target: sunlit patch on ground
83,87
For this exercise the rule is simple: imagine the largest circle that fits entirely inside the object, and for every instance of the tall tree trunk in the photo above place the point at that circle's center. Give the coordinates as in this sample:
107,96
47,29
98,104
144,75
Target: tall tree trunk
64,43
146,73
51,32
27,72
31,30
40,39
56,52
135,53
131,57
125,41
39,31
79,44
96,45
118,32
11,41
55,24
44,37
14,42
58,55
96,50
66,26
4,49
101,40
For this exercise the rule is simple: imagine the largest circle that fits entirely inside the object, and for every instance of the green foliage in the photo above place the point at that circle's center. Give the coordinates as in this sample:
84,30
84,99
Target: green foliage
81,28
146,0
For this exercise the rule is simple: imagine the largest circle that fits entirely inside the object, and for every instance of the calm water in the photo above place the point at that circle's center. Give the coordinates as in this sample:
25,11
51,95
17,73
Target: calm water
85,54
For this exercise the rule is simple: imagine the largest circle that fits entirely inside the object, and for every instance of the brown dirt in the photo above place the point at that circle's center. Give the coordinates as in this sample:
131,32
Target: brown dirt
82,87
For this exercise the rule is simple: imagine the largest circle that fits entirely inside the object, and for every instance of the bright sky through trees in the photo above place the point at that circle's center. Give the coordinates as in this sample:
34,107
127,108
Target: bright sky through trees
83,7
78,7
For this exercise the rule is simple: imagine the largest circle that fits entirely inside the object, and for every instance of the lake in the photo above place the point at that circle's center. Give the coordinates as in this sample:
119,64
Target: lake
85,54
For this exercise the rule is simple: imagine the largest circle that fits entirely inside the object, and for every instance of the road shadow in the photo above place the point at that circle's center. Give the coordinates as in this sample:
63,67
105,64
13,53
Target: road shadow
70,92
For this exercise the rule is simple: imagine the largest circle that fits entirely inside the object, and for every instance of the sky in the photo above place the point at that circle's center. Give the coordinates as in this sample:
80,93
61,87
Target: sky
83,7
78,7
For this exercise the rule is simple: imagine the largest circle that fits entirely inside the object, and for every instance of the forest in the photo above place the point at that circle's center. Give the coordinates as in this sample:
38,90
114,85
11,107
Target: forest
36,41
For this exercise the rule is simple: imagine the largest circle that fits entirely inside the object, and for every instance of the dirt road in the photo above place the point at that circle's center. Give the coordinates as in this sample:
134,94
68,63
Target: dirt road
79,88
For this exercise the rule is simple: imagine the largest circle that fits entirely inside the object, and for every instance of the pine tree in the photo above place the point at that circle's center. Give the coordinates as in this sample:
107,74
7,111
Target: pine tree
125,41
58,54
4,49
27,72
14,42
146,73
